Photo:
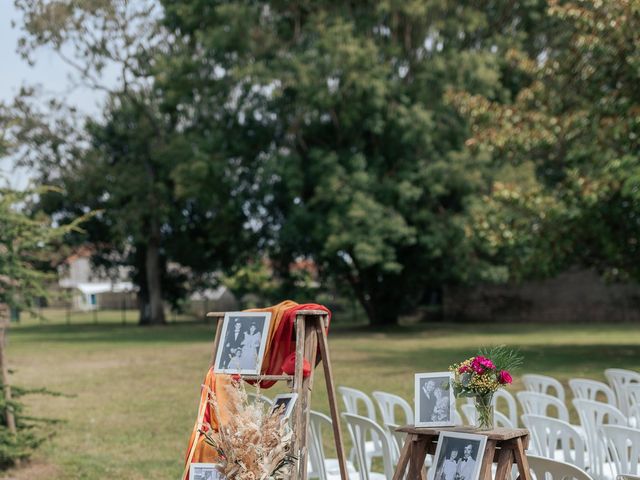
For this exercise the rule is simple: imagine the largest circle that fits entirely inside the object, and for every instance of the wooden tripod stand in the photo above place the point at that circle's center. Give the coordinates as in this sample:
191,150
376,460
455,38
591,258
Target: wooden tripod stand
312,345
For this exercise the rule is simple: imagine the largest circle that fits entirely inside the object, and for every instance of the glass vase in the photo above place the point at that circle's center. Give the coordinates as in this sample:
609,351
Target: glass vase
484,412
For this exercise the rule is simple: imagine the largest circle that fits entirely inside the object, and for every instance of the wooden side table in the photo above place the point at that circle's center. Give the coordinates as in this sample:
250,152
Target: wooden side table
505,447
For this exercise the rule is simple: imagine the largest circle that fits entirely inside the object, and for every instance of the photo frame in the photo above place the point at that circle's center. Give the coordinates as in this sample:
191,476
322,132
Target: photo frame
205,471
434,402
458,456
287,399
242,343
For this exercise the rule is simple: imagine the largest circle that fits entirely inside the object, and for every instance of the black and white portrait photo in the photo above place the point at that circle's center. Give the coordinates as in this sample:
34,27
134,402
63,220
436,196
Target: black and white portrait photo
458,456
434,399
242,343
205,471
286,399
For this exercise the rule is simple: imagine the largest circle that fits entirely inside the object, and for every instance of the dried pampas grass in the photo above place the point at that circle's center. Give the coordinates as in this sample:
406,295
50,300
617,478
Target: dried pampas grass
254,444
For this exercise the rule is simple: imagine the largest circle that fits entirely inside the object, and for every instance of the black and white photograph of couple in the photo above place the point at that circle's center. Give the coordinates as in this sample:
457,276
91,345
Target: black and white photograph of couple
433,399
458,456
244,336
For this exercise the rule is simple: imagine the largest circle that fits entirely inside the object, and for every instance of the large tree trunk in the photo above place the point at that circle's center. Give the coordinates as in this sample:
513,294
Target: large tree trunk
380,309
151,307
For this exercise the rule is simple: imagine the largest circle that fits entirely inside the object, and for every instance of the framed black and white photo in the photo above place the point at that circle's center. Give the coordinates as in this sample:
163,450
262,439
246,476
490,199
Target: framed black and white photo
434,400
205,471
243,340
458,456
286,399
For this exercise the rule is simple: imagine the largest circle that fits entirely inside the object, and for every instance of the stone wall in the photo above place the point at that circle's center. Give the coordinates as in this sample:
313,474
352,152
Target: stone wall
576,296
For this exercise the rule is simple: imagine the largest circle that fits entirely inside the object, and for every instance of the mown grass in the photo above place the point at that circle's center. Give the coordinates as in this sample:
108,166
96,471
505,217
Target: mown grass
135,390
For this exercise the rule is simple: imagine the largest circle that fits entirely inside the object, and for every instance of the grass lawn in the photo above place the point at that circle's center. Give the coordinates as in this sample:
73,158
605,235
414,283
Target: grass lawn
135,390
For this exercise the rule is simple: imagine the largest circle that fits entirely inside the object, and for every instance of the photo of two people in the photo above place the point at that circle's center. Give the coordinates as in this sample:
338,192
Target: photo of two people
433,399
244,337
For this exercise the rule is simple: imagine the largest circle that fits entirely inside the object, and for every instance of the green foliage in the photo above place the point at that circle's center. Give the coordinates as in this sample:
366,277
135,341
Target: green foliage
338,111
575,123
503,357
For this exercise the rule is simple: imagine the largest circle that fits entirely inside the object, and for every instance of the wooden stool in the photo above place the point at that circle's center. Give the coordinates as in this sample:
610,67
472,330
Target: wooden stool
505,446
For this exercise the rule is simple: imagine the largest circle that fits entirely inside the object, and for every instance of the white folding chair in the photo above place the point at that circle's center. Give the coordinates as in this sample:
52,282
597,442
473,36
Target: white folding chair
618,379
255,397
354,400
502,399
511,411
388,404
592,390
323,468
548,434
542,404
362,430
624,448
499,419
547,469
592,416
543,384
633,399
628,477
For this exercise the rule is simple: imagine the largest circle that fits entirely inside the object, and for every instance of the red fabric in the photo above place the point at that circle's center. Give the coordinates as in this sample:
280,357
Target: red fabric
284,341
289,366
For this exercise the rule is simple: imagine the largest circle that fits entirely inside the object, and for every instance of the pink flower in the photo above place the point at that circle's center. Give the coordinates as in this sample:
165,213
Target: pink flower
464,369
481,364
504,377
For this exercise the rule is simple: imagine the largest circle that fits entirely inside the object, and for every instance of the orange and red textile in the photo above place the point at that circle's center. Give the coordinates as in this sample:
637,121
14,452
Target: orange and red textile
281,343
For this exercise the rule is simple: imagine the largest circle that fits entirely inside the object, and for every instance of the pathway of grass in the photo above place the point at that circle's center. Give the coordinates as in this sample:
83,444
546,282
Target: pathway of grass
136,389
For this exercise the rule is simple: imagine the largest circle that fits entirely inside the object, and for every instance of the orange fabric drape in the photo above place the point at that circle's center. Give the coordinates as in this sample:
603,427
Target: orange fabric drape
280,343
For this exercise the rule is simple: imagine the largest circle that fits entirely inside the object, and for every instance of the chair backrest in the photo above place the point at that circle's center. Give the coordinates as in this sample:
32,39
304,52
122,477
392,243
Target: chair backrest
317,423
592,416
256,397
628,477
592,390
388,404
542,404
549,433
361,430
624,448
470,413
618,379
455,416
545,468
502,397
543,384
353,399
397,441
633,397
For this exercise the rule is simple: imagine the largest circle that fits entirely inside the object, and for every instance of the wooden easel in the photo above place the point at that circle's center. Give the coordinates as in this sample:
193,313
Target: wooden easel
311,333
505,447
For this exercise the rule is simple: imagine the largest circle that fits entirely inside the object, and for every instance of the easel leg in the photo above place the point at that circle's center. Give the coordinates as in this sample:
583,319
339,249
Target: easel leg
331,394
487,461
521,460
405,455
418,456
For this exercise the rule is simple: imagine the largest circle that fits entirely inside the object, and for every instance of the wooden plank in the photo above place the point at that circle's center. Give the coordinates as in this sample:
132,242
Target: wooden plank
505,462
521,460
331,394
487,460
297,388
418,457
312,313
405,456
216,314
495,434
310,353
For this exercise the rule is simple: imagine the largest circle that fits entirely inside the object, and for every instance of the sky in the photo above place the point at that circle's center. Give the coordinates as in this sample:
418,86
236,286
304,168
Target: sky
49,72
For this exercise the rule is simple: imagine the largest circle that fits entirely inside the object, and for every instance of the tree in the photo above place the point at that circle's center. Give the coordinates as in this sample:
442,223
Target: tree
575,124
340,112
137,165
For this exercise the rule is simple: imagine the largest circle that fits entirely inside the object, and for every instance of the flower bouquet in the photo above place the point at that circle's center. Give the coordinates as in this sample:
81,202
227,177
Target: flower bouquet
255,443
481,376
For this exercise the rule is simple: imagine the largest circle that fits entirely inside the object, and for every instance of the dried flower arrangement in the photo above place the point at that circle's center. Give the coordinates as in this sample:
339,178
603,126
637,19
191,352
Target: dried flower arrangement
255,443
